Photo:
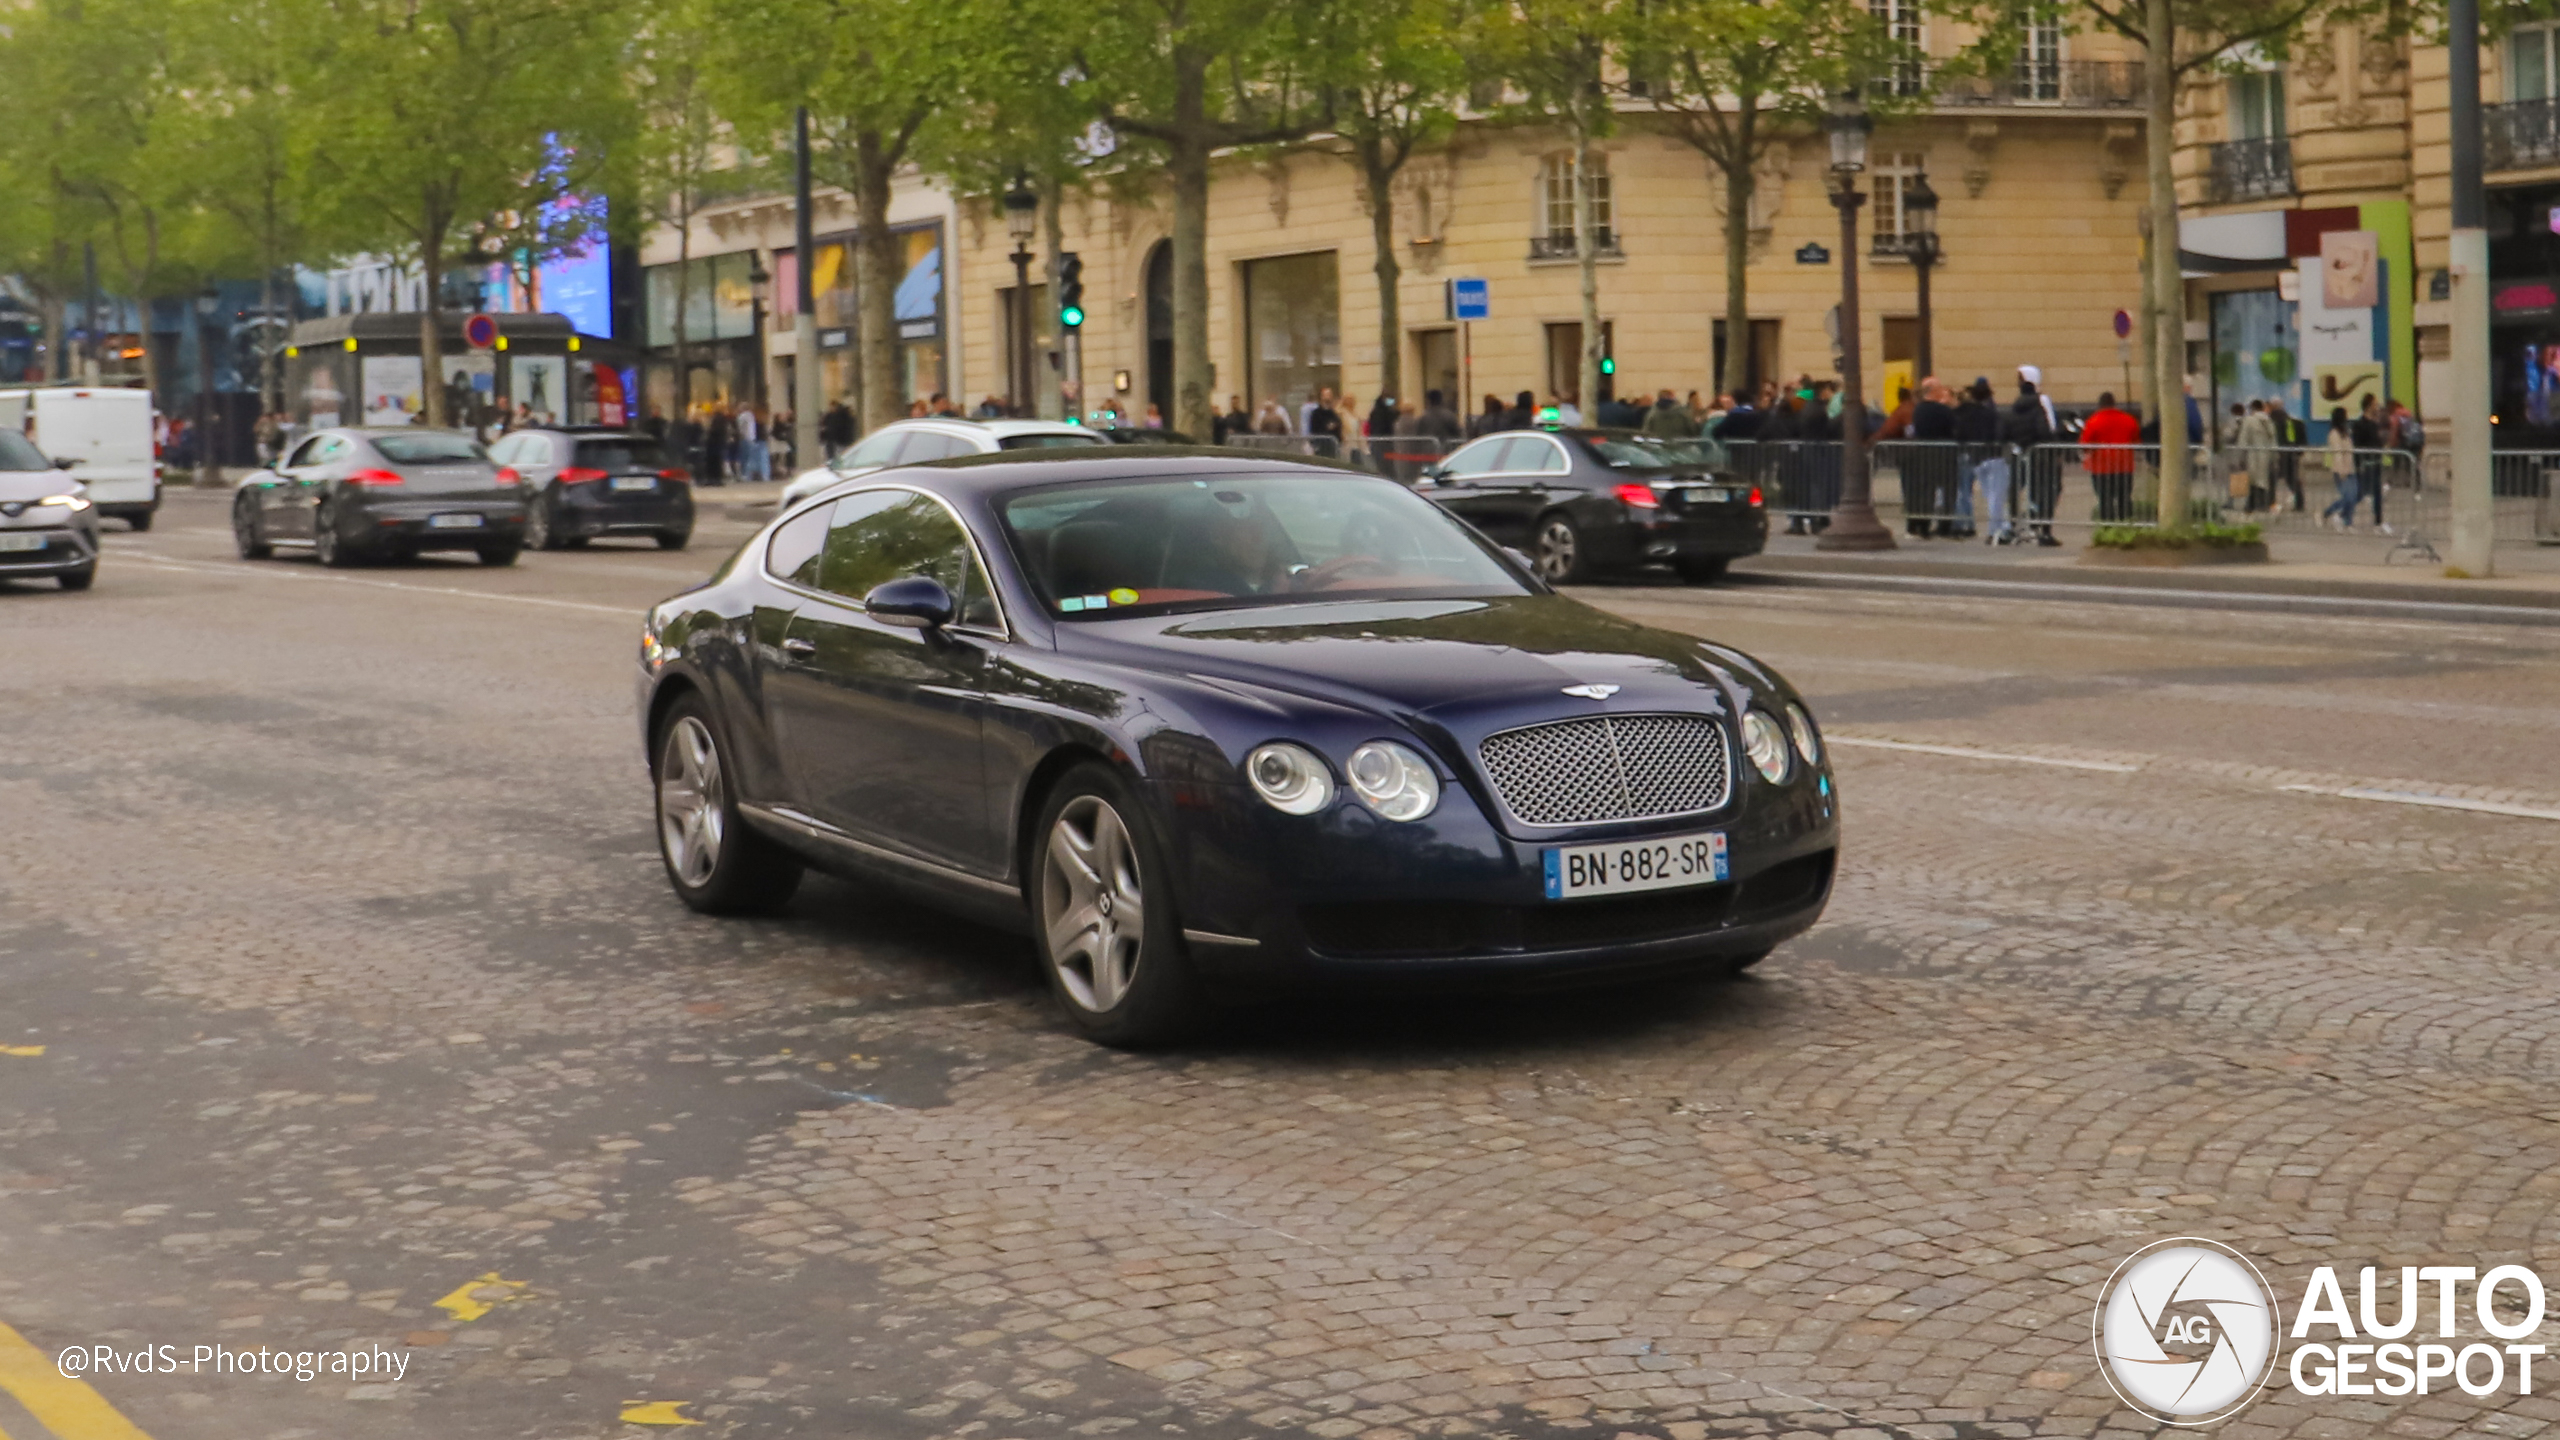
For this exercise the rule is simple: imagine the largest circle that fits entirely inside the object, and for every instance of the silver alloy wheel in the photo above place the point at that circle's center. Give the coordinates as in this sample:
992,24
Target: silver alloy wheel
537,524
1556,545
1091,904
244,527
691,810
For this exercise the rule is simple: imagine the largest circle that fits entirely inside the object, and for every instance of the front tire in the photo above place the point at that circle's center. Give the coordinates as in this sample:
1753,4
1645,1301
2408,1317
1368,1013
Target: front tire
80,579
1560,550
1103,919
716,862
245,534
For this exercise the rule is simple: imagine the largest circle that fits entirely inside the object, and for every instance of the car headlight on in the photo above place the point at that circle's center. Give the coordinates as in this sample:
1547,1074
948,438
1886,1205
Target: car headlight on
1292,779
1396,782
1800,727
1766,744
71,502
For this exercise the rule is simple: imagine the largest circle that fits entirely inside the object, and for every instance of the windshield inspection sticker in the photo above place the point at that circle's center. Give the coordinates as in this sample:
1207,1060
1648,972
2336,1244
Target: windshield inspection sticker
1124,596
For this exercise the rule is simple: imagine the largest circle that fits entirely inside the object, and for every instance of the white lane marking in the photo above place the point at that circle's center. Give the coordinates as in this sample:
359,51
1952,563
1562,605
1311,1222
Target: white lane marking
2111,767
2414,797
245,571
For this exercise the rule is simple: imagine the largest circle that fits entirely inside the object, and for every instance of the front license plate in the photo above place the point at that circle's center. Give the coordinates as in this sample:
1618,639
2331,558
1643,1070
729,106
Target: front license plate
22,542
635,482
1620,866
454,522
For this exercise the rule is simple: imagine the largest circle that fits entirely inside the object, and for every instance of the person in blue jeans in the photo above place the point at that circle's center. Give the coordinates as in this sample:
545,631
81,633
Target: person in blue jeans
2341,453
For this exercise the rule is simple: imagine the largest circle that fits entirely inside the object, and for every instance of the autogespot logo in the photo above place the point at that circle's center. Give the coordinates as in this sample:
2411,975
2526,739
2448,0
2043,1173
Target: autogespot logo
2186,1331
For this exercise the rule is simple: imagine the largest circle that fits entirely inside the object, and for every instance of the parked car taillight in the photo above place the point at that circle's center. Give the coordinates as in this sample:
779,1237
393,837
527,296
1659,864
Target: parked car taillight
1640,496
578,473
375,477
671,473
507,476
1757,498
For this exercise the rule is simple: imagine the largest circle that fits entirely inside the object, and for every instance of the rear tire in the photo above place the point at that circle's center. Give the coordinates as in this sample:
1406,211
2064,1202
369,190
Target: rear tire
541,528
674,539
502,554
1705,571
139,520
326,545
80,579
1122,980
717,863
245,532
1560,550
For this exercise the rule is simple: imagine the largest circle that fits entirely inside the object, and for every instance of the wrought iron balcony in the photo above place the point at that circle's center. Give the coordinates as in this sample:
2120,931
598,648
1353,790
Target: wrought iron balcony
2251,170
2060,84
1560,246
2519,134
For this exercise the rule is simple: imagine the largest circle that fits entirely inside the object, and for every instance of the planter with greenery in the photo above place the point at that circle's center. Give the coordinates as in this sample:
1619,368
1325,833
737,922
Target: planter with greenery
2203,543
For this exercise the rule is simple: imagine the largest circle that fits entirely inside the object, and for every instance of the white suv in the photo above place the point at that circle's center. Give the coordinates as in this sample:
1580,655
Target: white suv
912,442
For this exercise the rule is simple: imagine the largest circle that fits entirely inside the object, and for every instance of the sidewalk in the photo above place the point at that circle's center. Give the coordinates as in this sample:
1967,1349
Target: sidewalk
2335,573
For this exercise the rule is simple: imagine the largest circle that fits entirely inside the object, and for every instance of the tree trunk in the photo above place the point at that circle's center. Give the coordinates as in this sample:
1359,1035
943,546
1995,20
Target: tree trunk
1188,157
2150,327
1739,187
684,302
430,334
1053,240
1382,237
875,277
2168,290
1586,252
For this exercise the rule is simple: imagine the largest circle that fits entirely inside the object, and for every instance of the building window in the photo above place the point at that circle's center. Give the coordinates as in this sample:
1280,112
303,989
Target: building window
1894,171
1293,331
2257,106
1902,23
2040,61
2531,53
1556,207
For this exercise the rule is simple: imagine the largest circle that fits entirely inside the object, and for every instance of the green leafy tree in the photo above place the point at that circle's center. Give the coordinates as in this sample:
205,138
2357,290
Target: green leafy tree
1184,79
1405,71
1557,56
468,116
675,162
1733,78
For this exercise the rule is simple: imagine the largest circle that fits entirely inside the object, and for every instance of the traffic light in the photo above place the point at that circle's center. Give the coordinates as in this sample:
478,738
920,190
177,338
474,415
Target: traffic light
1070,289
1608,364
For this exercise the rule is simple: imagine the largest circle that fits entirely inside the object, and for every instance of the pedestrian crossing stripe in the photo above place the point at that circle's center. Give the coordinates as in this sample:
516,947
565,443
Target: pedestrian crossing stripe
67,1407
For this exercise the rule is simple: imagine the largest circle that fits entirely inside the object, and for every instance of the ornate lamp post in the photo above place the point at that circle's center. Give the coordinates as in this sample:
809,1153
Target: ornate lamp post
1853,520
1920,242
761,281
1022,221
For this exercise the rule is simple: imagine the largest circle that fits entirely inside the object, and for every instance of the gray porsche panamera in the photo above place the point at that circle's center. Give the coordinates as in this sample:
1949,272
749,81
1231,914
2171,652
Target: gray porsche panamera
356,494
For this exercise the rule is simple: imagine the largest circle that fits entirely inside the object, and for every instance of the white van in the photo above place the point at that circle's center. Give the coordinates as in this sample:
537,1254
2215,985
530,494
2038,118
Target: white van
104,432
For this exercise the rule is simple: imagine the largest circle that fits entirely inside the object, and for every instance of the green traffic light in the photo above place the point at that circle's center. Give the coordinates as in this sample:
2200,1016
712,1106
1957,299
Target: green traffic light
1608,364
1072,316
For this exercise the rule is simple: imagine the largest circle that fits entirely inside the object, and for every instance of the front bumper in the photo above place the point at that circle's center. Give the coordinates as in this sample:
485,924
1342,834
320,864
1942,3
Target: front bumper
67,548
1345,895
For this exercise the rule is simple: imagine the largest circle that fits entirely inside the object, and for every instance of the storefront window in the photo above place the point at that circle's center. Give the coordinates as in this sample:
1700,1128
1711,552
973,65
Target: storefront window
1293,331
923,363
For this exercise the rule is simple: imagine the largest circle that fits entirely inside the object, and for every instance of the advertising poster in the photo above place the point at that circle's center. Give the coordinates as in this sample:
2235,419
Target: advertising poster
540,385
323,403
2350,270
470,389
2344,387
394,389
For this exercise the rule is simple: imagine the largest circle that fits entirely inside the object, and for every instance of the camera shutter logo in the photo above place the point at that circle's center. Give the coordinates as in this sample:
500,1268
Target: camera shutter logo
2186,1331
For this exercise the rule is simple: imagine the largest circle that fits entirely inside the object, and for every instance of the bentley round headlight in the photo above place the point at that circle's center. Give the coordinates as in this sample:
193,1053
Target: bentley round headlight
1290,777
1396,782
1766,744
1800,726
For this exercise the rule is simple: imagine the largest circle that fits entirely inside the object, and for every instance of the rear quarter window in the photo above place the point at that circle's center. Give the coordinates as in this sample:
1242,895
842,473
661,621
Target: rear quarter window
620,456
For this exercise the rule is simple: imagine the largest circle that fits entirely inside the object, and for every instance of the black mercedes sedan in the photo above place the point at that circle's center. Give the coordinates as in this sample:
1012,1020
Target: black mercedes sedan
356,494
1201,722
1582,502
586,482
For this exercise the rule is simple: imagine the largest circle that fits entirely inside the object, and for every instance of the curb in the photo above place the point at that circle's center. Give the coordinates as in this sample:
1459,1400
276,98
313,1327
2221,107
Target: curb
2178,591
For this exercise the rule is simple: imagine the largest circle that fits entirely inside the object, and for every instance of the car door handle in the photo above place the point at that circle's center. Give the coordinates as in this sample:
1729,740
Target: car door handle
797,646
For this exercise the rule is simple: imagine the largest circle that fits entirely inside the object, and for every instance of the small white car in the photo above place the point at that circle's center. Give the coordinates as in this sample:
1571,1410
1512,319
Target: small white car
912,442
102,434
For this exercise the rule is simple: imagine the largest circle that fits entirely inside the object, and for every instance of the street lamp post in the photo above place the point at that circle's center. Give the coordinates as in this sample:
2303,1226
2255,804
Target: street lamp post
1920,242
761,281
1022,220
206,303
1853,520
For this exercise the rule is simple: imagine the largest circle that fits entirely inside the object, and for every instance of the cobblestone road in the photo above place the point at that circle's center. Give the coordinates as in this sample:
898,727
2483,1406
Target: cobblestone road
336,974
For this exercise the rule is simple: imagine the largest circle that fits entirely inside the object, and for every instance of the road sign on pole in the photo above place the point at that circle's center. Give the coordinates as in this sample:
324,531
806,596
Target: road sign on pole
481,331
1471,299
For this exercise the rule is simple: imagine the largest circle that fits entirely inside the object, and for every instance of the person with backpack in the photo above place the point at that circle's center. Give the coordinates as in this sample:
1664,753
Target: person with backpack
2025,427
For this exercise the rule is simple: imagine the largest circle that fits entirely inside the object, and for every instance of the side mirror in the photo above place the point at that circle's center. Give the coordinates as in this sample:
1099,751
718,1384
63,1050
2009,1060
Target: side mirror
1431,473
63,462
918,601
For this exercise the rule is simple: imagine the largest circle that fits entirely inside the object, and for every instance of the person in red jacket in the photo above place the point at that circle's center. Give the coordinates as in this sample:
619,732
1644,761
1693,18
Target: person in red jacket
2106,447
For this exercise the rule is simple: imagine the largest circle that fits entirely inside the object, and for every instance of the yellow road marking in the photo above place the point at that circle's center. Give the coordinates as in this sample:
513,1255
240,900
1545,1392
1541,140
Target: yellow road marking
656,1412
463,1303
67,1407
27,1051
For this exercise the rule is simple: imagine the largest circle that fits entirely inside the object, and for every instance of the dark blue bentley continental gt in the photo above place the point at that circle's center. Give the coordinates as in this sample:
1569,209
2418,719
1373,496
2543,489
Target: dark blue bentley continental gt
1200,721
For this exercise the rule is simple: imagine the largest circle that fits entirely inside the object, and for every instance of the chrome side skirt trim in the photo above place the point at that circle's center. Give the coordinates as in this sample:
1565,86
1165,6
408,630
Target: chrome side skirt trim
1212,937
828,835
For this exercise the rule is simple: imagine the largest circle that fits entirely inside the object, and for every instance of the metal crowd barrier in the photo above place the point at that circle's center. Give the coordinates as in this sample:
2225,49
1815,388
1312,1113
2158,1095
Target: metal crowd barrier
1325,447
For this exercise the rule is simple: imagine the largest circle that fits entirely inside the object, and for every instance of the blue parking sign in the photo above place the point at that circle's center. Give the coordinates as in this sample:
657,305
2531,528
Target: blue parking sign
1470,300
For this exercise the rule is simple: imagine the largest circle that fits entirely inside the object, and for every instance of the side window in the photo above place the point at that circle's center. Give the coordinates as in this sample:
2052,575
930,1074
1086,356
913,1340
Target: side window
332,448
978,601
933,445
1535,453
792,553
506,451
1481,458
882,535
306,453
878,448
